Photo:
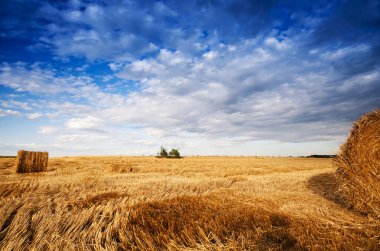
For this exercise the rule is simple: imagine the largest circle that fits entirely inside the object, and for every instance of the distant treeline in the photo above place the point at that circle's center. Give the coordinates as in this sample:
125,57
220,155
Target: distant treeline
7,156
321,156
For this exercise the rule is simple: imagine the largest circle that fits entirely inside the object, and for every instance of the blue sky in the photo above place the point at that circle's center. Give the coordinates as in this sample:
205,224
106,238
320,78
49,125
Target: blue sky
207,77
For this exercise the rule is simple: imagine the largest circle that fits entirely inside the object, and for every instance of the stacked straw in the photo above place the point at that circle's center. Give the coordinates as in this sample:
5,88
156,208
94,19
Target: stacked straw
358,165
28,161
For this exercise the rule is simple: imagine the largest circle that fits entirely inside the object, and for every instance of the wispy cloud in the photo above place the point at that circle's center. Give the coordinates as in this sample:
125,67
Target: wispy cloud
8,113
11,103
47,130
35,115
87,122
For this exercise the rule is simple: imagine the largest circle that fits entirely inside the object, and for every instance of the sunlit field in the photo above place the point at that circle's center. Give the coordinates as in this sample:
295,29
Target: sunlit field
193,203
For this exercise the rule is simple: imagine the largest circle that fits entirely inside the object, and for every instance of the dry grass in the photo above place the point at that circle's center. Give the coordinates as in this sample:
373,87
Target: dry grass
197,203
123,167
359,165
28,161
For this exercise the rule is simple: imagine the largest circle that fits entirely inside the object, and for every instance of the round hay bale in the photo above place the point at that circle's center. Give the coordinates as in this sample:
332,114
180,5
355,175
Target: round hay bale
358,165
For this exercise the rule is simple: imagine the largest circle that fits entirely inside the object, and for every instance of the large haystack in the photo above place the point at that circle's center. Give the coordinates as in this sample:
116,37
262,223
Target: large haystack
28,161
358,165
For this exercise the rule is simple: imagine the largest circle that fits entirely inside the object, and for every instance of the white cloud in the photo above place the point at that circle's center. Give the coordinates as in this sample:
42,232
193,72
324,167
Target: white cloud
88,122
276,44
115,66
16,104
255,90
4,113
47,129
211,55
196,82
70,138
67,95
345,51
36,79
96,44
35,115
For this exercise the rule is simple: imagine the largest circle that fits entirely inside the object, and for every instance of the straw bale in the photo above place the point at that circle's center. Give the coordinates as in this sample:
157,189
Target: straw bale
28,161
358,165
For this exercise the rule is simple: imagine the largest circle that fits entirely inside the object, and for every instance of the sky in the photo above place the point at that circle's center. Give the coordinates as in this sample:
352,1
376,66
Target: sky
213,77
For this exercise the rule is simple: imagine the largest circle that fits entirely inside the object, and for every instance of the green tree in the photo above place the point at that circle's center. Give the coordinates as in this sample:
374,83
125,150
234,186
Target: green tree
174,153
163,152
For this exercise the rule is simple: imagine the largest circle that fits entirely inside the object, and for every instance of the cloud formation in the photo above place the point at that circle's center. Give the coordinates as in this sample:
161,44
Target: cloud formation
47,130
212,74
88,122
8,113
35,115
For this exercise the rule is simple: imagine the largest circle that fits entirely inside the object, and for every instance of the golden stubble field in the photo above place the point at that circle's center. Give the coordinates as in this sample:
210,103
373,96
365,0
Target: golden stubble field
194,203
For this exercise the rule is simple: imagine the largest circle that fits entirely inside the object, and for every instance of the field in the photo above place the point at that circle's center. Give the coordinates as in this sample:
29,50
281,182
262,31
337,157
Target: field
194,203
